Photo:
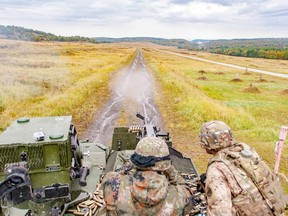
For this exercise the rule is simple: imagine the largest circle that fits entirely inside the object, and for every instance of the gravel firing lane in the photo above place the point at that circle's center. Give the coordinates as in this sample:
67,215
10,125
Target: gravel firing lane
131,89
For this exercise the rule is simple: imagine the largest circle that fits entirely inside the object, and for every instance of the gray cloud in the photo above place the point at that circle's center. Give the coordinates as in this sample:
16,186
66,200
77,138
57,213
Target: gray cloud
181,1
169,18
232,2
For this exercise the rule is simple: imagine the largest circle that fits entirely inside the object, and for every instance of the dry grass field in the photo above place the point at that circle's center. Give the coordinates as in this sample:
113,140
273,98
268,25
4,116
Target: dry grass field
42,79
192,92
280,66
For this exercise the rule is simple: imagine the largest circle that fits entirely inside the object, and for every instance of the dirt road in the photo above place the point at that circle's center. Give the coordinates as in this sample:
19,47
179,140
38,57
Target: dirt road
131,89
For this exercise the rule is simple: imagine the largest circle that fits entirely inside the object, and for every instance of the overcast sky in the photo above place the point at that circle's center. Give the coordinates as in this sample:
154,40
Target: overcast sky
188,19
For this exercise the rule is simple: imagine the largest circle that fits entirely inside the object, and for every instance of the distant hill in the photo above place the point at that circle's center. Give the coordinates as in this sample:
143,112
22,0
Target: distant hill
179,43
272,48
20,33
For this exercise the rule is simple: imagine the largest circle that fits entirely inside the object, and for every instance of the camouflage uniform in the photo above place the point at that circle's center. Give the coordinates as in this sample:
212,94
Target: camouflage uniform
230,191
146,190
237,179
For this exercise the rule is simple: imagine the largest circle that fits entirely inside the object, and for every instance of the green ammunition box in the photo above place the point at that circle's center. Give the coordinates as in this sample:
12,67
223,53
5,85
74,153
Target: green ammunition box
45,144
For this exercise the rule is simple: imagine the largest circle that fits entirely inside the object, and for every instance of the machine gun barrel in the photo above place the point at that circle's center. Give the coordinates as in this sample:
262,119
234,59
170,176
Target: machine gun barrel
126,138
149,129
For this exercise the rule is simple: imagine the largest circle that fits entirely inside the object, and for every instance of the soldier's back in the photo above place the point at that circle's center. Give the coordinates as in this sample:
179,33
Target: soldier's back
144,193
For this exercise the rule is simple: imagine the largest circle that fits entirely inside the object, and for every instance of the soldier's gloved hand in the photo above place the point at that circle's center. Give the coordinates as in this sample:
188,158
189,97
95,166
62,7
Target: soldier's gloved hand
172,174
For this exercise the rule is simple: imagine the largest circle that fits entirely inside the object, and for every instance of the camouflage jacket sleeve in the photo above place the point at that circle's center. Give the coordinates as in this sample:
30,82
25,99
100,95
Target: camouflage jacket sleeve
220,187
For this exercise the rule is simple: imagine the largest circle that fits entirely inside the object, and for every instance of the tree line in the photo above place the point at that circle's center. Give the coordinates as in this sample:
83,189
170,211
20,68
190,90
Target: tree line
269,48
252,52
20,33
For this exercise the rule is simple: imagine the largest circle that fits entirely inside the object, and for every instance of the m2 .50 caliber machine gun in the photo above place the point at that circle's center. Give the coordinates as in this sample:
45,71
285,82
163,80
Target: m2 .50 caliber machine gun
124,142
126,138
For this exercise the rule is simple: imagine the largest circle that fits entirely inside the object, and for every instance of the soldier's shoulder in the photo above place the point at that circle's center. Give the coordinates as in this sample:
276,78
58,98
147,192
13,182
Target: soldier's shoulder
216,165
109,175
218,170
113,179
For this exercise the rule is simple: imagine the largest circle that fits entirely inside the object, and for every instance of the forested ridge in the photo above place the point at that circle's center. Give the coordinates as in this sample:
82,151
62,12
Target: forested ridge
20,33
270,48
179,43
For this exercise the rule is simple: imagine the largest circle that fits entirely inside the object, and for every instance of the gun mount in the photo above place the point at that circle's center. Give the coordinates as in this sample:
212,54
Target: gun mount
45,170
126,138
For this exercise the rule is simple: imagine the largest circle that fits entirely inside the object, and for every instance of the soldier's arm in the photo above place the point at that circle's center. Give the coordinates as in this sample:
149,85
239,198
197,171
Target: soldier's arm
218,192
110,186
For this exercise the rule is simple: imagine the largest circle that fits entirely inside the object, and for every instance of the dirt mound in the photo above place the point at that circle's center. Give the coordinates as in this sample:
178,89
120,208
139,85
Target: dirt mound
202,72
261,80
251,89
219,73
247,73
236,80
285,92
202,78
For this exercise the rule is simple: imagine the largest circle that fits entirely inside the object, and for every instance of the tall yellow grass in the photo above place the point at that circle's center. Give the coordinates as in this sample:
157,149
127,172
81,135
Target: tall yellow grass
42,79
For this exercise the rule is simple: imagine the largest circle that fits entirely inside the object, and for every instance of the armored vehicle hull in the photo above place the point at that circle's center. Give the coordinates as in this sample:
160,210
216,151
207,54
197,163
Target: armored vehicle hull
45,170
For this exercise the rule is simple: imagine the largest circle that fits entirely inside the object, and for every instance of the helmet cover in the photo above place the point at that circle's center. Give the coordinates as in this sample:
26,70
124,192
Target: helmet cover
151,153
215,135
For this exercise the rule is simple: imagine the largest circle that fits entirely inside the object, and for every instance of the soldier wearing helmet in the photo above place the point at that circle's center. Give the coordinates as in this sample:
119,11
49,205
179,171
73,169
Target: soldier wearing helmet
238,181
215,135
150,188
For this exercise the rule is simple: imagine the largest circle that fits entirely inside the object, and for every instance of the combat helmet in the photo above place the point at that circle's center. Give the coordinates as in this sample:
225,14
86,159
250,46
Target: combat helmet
151,153
215,135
